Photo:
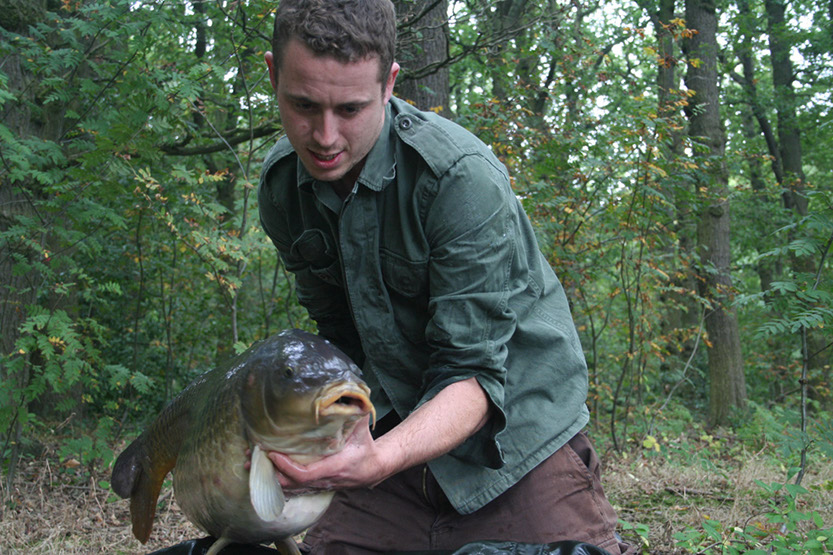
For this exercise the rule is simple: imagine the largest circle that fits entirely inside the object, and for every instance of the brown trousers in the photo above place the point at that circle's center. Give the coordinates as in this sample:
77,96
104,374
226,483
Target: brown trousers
560,499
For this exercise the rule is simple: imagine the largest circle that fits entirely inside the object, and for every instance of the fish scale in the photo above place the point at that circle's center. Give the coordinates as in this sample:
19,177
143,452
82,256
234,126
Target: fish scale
205,492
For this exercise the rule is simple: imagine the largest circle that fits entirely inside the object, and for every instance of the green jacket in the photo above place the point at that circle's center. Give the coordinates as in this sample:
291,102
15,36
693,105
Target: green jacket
427,274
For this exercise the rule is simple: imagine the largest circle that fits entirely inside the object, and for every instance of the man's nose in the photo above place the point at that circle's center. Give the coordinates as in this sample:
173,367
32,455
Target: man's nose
326,129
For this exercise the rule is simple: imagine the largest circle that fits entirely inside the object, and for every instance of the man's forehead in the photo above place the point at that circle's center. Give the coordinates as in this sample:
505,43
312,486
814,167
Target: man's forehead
298,45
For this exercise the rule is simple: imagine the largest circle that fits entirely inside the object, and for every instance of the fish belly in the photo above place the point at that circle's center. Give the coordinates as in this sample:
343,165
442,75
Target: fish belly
211,485
219,504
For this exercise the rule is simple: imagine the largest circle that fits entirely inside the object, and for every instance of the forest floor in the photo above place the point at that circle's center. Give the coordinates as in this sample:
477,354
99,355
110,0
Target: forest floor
701,486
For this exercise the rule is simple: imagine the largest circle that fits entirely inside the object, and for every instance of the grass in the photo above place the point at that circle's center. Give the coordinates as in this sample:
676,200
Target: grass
689,484
59,507
712,493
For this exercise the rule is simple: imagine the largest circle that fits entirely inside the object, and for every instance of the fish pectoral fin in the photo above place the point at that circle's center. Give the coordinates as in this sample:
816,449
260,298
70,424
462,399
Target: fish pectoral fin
265,490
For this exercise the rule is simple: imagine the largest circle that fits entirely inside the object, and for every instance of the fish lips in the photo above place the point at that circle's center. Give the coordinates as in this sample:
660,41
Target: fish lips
345,400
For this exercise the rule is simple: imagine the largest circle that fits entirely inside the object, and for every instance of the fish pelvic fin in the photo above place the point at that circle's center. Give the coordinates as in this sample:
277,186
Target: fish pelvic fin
218,545
126,470
138,477
265,490
288,546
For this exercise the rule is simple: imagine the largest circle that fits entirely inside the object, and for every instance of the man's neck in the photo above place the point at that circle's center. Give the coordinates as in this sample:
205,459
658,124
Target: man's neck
342,188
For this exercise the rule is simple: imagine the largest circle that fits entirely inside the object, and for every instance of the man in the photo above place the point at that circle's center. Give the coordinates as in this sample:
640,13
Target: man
413,255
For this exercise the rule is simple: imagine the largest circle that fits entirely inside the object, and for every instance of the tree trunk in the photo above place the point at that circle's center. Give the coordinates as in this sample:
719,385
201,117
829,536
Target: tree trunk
727,380
680,315
768,268
793,179
789,135
423,50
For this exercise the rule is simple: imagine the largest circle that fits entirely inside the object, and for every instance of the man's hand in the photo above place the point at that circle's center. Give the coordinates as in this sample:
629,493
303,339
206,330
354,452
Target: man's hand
358,465
432,430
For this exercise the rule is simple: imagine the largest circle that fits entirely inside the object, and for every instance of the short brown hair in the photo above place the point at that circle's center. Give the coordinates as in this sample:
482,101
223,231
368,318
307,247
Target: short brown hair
348,30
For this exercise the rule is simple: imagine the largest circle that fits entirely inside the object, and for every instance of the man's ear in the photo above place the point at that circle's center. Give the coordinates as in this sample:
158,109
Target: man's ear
273,71
394,71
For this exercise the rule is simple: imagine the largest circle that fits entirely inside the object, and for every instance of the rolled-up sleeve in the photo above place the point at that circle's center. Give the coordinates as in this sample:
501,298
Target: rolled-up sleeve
470,227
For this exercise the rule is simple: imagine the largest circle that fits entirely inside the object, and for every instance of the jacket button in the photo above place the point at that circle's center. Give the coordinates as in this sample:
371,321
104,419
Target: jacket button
405,123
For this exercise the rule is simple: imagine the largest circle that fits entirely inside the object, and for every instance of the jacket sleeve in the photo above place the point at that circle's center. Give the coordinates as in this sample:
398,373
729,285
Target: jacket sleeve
476,266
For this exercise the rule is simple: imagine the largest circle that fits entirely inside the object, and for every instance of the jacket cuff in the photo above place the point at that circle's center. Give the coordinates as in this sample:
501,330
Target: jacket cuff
481,448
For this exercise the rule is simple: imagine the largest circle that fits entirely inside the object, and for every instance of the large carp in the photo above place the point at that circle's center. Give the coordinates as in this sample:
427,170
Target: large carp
295,393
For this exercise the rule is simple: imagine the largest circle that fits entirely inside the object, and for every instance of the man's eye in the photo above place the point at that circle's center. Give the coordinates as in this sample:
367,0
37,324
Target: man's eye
350,110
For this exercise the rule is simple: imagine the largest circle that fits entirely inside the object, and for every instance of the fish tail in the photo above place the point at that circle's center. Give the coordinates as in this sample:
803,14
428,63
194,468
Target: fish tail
138,477
143,504
126,470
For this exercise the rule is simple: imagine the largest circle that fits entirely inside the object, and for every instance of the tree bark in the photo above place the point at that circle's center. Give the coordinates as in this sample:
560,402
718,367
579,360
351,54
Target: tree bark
727,380
789,134
423,44
768,269
792,180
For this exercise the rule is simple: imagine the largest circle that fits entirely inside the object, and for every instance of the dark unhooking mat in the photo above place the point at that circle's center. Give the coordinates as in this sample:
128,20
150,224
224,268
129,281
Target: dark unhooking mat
200,547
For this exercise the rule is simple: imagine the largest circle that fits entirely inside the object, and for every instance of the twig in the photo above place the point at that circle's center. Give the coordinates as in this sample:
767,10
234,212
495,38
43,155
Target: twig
685,492
805,366
688,362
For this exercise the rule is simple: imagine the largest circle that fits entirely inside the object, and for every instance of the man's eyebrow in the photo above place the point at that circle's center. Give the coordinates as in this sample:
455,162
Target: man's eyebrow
299,98
349,103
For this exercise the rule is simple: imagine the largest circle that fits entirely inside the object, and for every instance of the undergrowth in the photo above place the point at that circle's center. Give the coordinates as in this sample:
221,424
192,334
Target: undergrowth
683,489
678,489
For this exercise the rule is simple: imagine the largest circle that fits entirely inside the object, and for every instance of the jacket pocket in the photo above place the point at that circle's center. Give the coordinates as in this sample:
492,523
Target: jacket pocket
316,248
406,282
405,277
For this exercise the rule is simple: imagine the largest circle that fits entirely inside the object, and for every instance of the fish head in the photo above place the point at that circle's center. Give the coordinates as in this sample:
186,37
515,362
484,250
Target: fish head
302,395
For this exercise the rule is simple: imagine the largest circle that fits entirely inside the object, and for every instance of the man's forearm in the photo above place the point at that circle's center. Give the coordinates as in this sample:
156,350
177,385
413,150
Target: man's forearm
435,428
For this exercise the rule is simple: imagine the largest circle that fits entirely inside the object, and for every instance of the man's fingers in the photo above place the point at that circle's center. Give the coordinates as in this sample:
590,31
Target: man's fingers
282,462
291,474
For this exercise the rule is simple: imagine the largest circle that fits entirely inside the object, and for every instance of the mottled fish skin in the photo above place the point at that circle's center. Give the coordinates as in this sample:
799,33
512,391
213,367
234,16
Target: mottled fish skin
278,395
140,470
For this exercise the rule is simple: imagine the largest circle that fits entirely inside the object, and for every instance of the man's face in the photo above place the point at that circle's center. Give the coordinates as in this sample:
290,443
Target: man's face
332,112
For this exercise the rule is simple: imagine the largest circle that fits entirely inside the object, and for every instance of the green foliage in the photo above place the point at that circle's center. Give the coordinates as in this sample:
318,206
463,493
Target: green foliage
93,449
713,491
784,529
805,301
130,269
641,531
131,257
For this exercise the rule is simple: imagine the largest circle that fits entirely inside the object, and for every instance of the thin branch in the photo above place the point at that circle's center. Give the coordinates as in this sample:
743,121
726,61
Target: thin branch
237,137
685,368
409,22
805,366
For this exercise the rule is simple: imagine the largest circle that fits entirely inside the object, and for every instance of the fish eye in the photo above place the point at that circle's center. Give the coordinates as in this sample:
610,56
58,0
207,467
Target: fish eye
288,372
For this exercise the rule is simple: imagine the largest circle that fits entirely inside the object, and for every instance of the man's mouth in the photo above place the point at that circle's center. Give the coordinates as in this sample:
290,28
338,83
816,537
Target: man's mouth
326,161
325,157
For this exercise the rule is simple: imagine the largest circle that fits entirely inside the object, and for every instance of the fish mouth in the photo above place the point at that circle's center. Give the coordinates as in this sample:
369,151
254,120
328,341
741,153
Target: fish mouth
345,400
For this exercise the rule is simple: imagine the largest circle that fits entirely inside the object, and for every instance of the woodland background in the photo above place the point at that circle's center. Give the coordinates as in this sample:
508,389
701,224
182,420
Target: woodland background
674,156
